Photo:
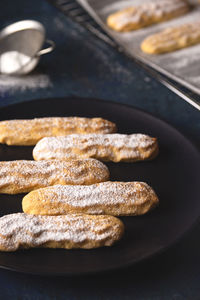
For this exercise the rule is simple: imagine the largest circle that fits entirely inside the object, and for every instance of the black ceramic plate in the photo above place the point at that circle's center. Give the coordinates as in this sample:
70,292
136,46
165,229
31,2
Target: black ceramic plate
174,175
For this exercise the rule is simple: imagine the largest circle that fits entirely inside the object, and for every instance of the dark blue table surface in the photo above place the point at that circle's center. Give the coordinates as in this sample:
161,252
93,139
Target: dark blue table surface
84,66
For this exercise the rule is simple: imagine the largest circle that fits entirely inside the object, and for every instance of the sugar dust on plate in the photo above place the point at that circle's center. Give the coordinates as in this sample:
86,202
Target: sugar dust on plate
12,61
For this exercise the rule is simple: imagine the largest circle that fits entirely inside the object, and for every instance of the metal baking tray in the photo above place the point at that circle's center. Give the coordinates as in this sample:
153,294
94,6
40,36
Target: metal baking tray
182,66
178,71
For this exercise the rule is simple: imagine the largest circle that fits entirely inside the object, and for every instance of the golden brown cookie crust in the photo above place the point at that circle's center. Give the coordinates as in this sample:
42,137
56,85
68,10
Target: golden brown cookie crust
146,14
105,147
29,132
172,39
110,198
23,176
22,231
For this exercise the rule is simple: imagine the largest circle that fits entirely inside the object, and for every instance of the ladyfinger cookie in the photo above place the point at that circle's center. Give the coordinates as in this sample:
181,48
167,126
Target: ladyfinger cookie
135,17
22,231
172,39
110,198
22,176
106,147
29,132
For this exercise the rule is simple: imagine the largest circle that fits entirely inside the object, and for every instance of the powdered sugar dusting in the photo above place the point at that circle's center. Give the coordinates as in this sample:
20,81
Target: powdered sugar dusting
114,198
32,82
70,231
174,37
104,57
23,176
181,65
29,132
113,147
149,11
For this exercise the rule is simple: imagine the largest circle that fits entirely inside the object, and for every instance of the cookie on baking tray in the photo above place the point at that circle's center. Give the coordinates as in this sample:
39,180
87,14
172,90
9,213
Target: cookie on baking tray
145,14
172,39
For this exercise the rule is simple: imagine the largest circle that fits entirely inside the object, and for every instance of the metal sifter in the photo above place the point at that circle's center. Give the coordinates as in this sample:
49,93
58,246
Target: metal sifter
21,47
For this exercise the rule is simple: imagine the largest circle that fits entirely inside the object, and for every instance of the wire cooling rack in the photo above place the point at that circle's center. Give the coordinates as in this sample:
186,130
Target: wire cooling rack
73,10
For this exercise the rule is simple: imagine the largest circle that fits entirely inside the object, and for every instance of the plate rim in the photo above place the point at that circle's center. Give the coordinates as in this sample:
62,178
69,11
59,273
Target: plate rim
120,266
161,119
